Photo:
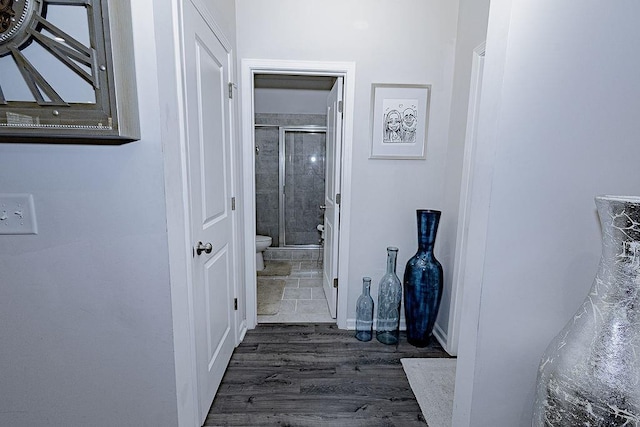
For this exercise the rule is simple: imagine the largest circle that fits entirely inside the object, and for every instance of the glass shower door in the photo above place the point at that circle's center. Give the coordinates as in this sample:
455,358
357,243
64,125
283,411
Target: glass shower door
303,167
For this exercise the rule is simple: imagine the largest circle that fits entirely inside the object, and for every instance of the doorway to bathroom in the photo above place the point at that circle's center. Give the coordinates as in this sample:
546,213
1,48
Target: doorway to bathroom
292,195
290,114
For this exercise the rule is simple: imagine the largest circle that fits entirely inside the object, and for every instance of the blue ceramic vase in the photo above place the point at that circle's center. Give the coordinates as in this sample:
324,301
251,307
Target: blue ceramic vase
423,282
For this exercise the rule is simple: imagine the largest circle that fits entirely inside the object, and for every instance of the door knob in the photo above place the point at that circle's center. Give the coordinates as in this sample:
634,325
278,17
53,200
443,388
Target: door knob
206,248
323,207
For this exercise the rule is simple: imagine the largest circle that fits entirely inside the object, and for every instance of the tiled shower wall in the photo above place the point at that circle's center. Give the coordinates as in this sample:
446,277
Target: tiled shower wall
267,182
306,194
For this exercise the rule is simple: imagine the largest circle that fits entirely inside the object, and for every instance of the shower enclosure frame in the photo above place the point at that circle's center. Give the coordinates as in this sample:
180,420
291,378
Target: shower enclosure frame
282,165
282,131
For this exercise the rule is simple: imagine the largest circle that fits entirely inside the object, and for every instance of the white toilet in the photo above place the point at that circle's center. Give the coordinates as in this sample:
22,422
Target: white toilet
262,243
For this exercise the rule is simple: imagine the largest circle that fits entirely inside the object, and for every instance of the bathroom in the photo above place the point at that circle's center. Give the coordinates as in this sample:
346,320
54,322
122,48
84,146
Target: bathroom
290,136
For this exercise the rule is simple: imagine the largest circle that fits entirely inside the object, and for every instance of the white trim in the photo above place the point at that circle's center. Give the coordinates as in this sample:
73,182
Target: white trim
179,240
242,331
351,324
479,209
184,161
449,338
267,66
441,336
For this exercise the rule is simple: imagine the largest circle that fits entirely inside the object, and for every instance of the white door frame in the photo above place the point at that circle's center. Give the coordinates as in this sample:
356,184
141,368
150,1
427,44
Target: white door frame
250,67
450,338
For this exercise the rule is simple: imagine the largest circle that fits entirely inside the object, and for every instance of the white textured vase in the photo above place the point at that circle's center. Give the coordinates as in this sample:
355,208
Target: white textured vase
590,373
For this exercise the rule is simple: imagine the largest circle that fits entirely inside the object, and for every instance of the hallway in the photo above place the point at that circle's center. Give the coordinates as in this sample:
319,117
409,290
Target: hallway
317,375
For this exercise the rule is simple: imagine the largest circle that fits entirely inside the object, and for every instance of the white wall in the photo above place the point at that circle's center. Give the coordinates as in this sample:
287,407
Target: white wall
558,125
85,305
224,14
416,48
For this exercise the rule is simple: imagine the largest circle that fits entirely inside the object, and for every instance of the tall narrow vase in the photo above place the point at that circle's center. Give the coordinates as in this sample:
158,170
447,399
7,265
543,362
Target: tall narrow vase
389,299
590,373
423,282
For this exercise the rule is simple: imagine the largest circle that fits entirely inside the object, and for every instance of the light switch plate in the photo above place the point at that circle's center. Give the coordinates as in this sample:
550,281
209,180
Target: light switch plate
17,214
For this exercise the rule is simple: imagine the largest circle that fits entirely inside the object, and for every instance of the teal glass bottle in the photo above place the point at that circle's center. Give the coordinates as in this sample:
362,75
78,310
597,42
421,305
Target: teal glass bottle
389,300
364,312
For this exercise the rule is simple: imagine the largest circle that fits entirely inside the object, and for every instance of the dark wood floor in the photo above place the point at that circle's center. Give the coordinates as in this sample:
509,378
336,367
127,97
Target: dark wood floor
317,375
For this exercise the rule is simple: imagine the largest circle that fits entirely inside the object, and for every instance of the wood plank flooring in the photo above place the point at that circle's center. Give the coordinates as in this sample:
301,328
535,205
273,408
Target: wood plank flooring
317,375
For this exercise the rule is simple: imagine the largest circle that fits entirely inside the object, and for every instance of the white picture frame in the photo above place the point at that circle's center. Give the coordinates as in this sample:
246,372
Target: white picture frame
399,121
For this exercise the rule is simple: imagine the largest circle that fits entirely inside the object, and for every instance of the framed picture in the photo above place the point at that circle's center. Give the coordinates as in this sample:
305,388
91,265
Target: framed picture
399,121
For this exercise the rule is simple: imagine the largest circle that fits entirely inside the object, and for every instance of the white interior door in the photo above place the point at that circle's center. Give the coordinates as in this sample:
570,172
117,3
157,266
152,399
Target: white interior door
332,191
208,142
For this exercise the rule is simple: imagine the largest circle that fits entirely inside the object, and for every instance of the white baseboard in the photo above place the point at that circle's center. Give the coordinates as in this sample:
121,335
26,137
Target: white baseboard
242,332
442,338
438,333
351,325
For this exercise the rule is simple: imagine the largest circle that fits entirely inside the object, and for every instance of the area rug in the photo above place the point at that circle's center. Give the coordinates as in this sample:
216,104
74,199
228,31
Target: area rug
275,268
432,382
269,296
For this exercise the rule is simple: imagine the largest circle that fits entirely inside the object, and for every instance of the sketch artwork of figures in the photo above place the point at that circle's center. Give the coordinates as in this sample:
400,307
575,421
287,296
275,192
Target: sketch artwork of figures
409,123
392,124
400,121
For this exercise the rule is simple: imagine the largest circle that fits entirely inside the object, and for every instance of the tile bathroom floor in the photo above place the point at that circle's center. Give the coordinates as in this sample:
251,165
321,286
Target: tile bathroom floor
303,298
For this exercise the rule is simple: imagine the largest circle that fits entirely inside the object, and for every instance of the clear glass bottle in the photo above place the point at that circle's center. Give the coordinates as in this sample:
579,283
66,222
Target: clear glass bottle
389,298
364,312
